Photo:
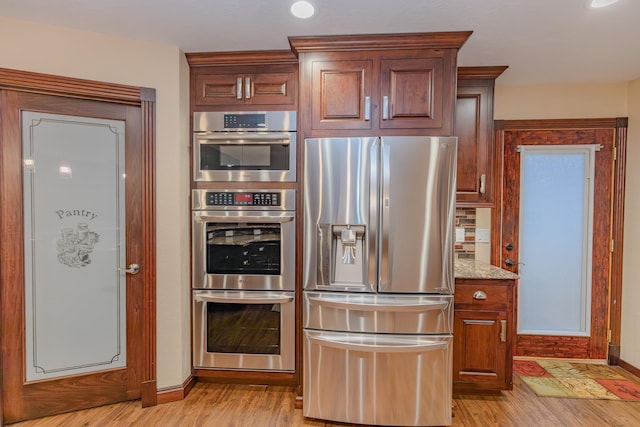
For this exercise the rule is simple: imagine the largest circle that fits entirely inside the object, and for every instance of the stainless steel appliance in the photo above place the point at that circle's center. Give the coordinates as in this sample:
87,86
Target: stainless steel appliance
378,279
243,279
244,146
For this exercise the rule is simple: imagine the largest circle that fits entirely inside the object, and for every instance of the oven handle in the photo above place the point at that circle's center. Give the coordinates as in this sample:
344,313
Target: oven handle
280,299
244,138
380,346
424,306
208,216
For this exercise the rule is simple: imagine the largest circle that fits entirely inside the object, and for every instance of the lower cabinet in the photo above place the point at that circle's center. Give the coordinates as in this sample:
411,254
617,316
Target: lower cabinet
483,334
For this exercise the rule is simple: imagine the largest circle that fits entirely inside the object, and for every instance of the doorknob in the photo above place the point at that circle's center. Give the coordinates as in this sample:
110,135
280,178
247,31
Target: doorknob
133,269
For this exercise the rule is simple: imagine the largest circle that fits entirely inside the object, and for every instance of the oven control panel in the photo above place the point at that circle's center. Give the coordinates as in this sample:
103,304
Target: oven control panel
244,198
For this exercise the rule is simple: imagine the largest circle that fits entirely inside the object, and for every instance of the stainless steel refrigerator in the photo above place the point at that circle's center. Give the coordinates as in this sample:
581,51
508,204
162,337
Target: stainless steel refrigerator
378,279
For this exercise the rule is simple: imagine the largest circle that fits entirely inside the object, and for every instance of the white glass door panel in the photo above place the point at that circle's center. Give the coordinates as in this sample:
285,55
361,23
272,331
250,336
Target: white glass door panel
74,220
556,216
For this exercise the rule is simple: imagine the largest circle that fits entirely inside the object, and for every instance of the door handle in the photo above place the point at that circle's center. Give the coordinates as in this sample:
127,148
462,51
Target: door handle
239,88
367,108
247,88
503,331
385,108
132,269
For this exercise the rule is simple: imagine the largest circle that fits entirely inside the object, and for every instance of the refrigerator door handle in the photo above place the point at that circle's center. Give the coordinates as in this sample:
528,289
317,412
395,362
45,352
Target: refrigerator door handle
380,346
383,256
424,306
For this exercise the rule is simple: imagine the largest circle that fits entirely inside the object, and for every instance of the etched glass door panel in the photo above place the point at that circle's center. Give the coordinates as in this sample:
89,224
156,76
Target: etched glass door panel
556,231
74,220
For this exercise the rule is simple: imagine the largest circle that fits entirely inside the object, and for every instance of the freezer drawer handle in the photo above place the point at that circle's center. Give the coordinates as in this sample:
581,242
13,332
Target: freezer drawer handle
439,305
380,347
244,300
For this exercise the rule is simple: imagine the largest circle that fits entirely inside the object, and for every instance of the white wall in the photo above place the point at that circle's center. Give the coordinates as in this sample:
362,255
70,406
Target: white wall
630,338
595,101
52,50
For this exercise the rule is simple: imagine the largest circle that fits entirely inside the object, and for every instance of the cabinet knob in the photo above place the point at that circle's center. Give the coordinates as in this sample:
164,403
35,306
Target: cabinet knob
479,295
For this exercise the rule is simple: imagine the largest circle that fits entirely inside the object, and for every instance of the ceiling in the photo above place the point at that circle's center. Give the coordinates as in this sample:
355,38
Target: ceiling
542,41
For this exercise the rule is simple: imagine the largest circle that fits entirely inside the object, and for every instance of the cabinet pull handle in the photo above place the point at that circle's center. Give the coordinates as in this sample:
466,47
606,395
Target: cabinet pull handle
367,108
247,88
239,88
479,295
385,108
503,330
483,184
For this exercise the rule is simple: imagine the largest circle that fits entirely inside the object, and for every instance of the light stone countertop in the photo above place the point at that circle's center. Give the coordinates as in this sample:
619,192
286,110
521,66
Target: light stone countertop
473,269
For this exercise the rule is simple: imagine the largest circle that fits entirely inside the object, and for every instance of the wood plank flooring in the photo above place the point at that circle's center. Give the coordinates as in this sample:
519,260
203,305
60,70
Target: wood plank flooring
219,405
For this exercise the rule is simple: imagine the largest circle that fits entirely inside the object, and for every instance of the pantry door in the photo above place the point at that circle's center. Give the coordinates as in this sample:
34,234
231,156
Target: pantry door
76,263
560,182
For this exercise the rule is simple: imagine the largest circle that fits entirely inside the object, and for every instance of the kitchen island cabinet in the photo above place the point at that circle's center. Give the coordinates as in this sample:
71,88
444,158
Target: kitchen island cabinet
484,327
479,159
381,84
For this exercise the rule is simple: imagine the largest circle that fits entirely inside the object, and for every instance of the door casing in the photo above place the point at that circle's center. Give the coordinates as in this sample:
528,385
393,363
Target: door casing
619,127
144,100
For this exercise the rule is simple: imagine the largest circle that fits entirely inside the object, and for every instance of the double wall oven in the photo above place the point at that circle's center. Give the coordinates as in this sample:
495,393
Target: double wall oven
243,279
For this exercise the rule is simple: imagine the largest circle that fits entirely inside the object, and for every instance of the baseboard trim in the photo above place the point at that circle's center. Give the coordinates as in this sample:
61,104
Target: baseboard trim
174,394
628,367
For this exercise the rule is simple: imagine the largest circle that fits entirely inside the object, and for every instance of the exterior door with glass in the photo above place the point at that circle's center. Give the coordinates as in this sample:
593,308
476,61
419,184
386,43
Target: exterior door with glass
556,232
73,255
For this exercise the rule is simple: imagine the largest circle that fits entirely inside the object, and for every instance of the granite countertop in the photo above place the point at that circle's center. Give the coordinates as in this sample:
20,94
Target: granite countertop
473,269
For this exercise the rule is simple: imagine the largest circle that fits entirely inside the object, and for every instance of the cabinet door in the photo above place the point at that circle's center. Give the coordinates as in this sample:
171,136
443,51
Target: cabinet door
219,89
474,119
238,89
411,93
480,343
270,88
341,94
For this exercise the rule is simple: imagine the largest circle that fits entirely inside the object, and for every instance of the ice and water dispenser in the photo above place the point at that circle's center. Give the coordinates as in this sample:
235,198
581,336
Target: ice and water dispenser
342,256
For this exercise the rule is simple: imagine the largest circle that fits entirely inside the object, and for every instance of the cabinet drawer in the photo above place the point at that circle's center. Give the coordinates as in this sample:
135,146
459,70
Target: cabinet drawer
481,295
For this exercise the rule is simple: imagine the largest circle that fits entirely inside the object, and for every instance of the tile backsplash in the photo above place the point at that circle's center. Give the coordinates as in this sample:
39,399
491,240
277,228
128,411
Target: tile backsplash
466,219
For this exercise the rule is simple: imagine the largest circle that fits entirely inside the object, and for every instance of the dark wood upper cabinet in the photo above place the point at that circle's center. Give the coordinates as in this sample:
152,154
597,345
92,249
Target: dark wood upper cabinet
478,158
340,92
380,84
250,80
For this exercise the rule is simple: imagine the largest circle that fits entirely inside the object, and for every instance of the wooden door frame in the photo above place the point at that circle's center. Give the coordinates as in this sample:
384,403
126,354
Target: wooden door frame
619,125
23,81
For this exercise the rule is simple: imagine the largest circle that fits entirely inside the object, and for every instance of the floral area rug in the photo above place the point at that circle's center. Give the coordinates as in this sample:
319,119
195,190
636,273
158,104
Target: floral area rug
554,378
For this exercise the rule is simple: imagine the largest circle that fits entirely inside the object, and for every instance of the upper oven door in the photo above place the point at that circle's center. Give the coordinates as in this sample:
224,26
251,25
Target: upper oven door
244,156
243,250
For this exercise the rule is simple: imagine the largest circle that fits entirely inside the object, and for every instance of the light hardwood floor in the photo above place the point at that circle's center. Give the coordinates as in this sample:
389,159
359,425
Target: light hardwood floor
258,406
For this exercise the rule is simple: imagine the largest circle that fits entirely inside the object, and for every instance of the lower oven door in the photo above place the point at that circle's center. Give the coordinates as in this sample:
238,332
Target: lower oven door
245,330
378,379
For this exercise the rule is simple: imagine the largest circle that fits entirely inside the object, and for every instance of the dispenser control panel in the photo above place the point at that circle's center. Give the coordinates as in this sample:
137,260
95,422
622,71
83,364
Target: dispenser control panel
242,198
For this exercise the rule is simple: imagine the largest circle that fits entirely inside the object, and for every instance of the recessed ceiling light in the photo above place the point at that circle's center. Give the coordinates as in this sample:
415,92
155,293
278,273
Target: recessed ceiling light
302,9
602,3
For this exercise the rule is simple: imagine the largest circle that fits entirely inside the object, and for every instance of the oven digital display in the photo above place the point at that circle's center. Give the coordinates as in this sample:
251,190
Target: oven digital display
244,121
242,199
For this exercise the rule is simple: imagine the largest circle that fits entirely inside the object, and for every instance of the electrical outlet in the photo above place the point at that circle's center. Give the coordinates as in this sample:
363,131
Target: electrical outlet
459,235
482,235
